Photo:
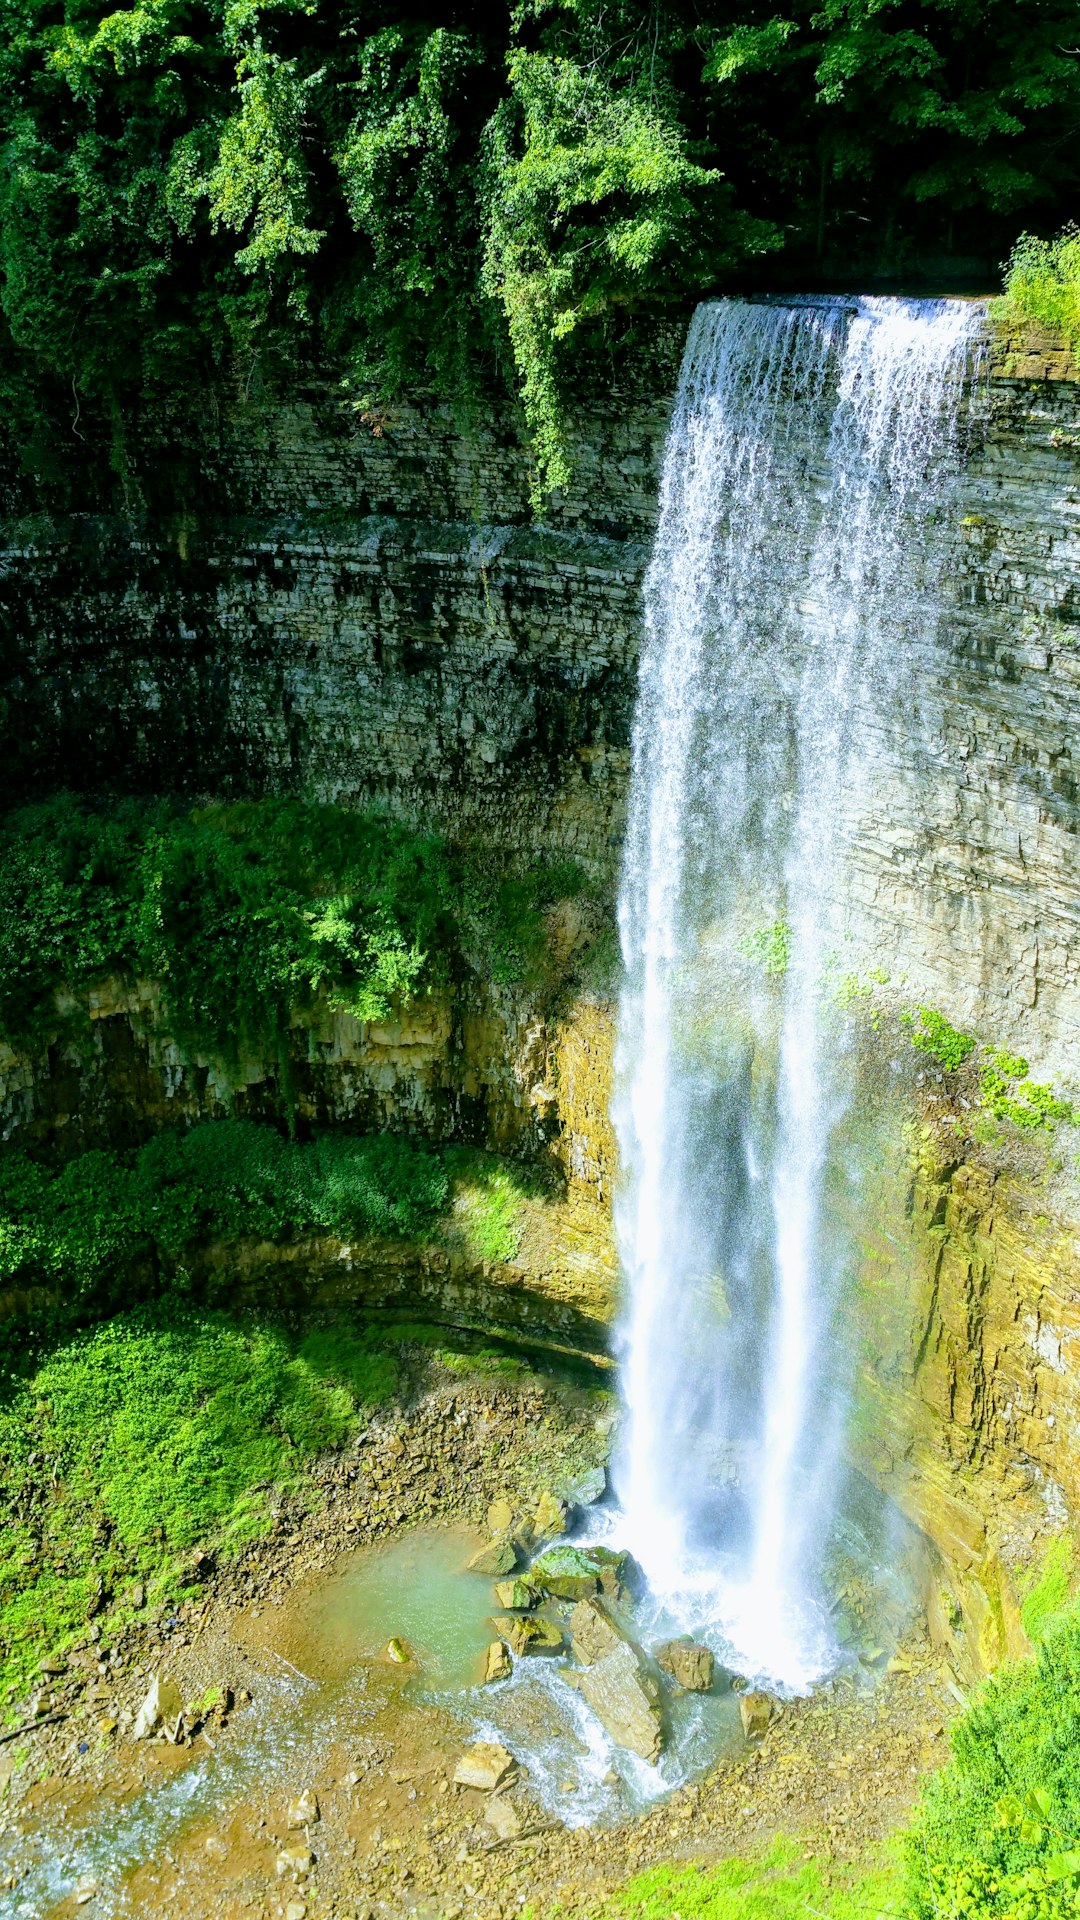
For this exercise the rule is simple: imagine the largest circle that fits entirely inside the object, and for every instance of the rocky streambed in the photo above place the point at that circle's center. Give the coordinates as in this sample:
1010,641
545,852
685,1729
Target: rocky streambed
318,1738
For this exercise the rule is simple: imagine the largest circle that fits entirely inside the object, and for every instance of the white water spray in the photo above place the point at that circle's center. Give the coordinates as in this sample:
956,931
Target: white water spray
789,602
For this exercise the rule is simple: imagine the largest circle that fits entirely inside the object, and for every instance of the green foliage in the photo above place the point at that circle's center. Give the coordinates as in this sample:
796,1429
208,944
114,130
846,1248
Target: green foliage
82,1227
784,1883
227,183
1049,1593
594,198
124,1447
998,1830
769,948
1008,1094
939,1038
247,915
1042,284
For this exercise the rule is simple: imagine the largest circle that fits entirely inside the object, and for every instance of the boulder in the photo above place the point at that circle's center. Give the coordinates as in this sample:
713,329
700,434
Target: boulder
550,1516
295,1857
160,1710
691,1666
485,1765
516,1593
528,1633
567,1573
500,1516
304,1810
625,1698
594,1630
588,1488
619,1572
497,1662
756,1711
500,1557
504,1817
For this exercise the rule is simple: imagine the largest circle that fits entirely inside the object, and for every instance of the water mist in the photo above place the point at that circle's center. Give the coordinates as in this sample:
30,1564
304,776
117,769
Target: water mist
792,594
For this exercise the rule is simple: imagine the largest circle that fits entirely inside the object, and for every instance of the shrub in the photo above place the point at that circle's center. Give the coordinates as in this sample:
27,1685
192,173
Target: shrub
83,1225
1042,283
248,914
937,1037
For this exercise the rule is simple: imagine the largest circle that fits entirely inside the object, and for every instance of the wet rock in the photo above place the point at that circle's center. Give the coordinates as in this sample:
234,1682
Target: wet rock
497,1663
550,1516
567,1573
304,1810
500,1557
86,1891
500,1516
160,1710
619,1572
399,1651
528,1633
503,1817
690,1665
594,1631
757,1710
588,1488
626,1699
485,1765
214,1847
516,1593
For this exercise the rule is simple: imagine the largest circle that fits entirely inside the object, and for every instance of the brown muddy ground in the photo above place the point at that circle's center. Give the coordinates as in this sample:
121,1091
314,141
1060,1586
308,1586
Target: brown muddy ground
393,1835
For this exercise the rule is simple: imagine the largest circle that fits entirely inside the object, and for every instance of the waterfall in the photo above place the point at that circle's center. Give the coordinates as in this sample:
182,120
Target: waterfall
790,606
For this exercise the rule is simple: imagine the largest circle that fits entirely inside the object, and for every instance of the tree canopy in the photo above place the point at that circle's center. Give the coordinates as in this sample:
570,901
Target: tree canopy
422,194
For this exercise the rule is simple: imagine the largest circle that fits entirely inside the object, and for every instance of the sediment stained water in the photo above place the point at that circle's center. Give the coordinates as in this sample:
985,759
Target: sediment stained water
791,603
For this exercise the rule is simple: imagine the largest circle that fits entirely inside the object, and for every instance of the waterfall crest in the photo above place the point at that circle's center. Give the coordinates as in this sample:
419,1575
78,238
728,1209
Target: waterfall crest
790,601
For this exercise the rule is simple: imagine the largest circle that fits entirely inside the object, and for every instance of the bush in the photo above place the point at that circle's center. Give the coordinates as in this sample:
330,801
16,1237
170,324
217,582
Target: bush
83,1225
1042,283
247,915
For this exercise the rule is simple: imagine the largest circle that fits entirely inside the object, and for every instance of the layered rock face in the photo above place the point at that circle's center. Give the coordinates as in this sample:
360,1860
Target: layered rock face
968,1403
371,617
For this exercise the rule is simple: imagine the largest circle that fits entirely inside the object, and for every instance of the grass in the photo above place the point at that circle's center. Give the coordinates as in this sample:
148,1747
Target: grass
997,1832
166,1428
783,1883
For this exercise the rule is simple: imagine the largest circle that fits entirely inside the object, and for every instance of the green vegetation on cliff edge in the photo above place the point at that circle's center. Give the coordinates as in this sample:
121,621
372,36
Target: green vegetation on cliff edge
247,915
191,185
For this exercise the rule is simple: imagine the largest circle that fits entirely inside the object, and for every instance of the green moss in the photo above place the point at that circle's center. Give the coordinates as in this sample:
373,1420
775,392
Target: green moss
124,1447
487,1203
1049,1593
787,1880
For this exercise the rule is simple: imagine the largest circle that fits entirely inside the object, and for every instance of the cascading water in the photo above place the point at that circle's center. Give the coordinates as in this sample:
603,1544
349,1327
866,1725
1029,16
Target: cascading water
790,601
